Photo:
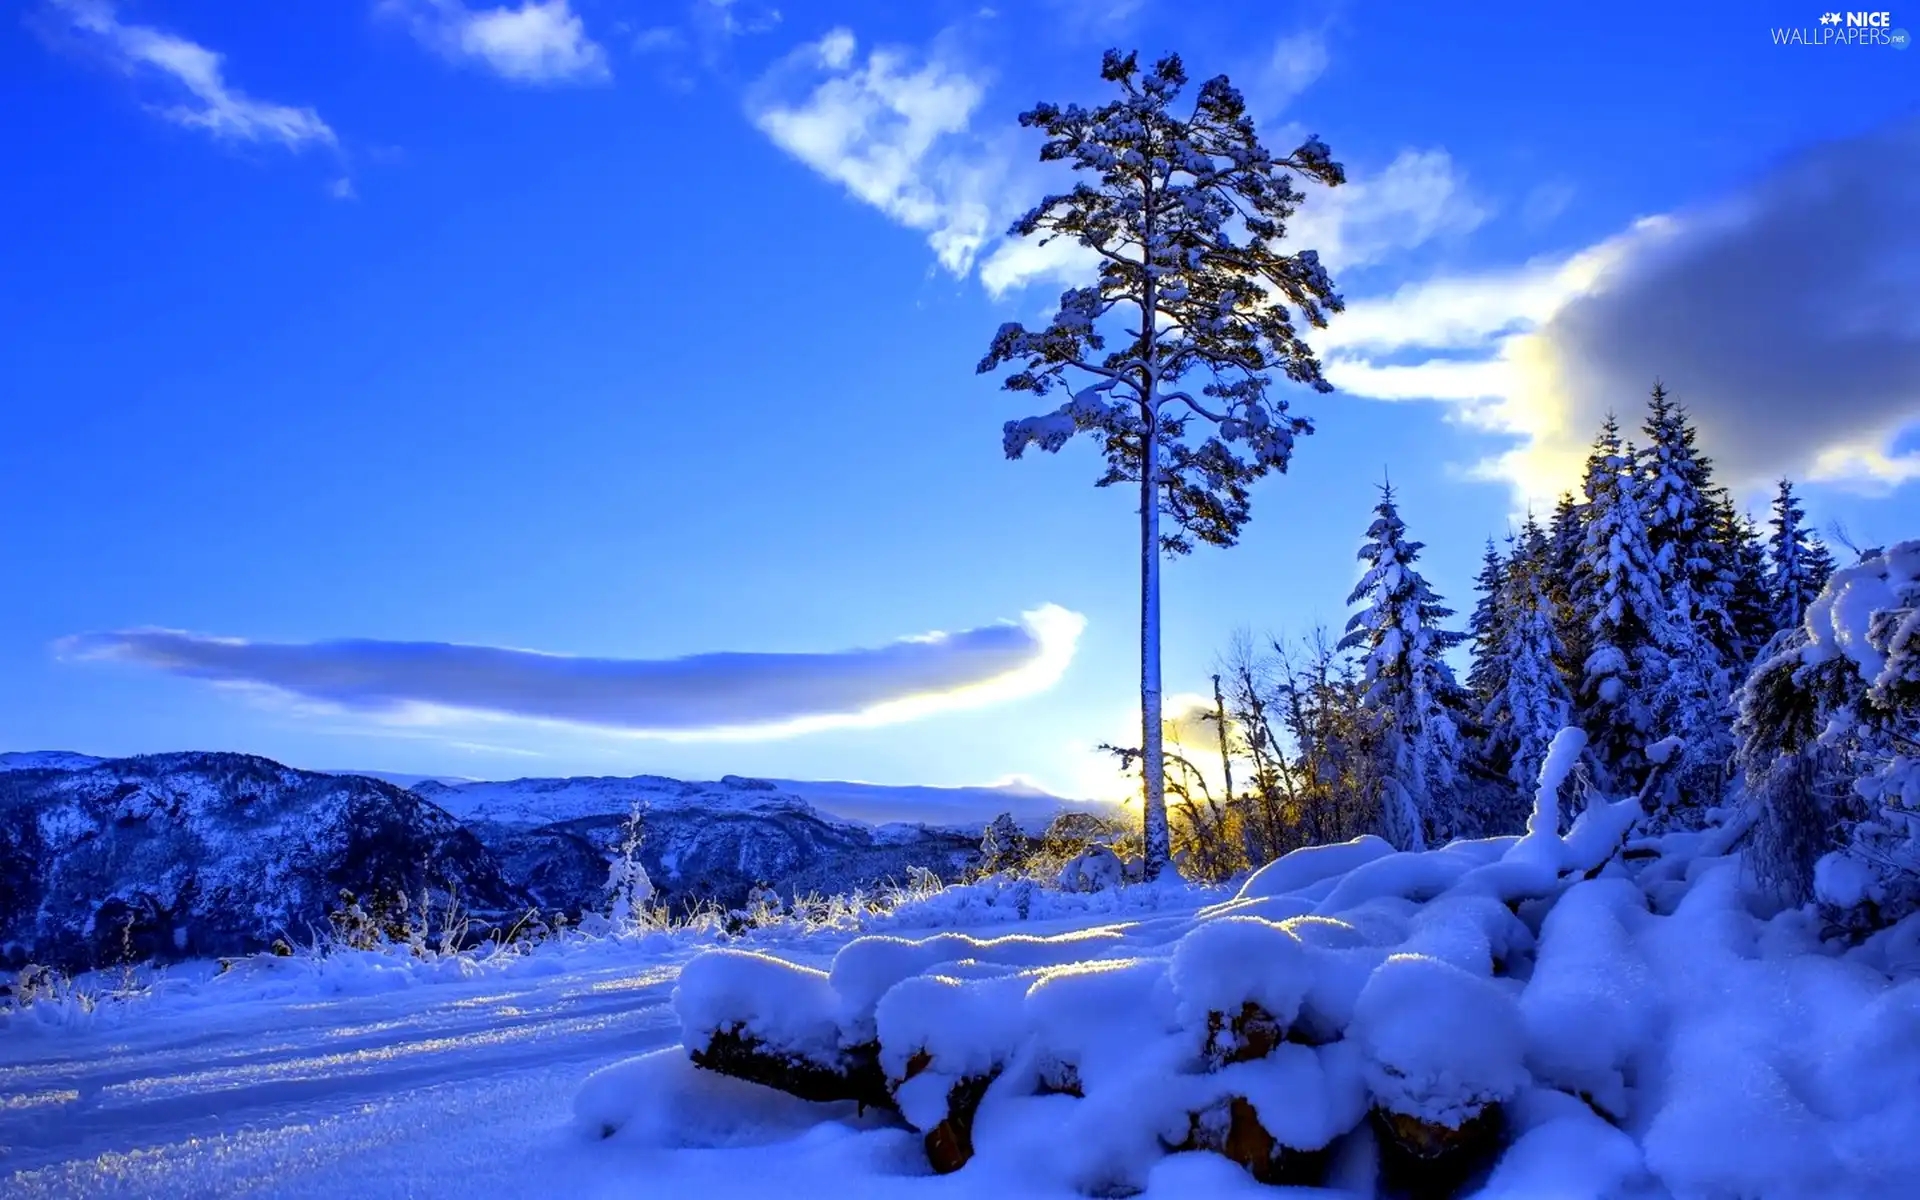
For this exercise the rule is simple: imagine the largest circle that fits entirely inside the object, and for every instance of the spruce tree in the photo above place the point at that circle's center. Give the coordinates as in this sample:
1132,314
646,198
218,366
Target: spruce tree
1618,604
1722,599
1819,563
1791,580
1185,211
1678,496
1409,685
1566,539
1485,676
1533,702
1750,602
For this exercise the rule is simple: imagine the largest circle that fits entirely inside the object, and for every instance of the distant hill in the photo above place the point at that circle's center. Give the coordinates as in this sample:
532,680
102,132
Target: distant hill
198,854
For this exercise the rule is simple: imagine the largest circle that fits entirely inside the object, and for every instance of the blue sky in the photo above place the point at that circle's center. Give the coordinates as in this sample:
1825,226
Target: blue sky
637,331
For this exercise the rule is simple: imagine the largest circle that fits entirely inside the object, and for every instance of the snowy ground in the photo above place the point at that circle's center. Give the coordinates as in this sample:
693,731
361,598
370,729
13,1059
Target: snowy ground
431,1089
1665,1034
397,1085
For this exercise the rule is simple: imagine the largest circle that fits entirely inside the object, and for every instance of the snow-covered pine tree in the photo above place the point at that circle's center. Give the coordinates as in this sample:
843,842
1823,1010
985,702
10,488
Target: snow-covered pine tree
1818,562
1618,603
1485,675
1790,581
629,888
1690,694
1533,702
1678,495
1004,845
1750,598
1185,212
1408,683
1566,541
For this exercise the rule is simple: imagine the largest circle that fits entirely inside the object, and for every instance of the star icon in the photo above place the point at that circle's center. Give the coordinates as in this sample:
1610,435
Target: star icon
1829,18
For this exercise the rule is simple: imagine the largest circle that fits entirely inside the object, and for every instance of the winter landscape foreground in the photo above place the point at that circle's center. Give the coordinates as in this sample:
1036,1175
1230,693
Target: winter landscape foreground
1646,1022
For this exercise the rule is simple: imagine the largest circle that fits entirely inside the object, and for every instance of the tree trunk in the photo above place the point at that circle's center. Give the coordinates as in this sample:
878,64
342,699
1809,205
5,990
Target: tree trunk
1158,848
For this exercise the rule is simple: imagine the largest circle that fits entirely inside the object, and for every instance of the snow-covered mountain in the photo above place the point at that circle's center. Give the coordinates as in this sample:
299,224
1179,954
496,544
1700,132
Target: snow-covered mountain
543,801
173,855
46,760
196,854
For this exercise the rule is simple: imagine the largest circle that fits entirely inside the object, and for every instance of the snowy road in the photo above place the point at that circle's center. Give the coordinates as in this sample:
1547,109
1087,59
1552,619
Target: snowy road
440,1089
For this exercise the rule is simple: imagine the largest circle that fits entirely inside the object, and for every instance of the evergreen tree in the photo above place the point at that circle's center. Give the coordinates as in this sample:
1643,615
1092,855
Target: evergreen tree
1618,604
1750,599
1678,496
1004,845
1409,685
1186,213
1830,744
1484,676
1818,561
1533,703
1791,581
1724,546
1566,539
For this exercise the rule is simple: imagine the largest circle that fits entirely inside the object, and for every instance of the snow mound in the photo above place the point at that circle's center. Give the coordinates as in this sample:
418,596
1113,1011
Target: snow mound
1438,1043
1588,1014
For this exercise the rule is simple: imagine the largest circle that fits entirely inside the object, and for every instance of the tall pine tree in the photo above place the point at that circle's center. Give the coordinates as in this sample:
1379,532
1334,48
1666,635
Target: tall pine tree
1408,683
1185,210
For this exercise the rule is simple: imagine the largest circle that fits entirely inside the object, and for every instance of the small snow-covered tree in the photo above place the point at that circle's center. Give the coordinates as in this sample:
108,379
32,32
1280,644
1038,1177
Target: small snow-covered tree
1408,682
1185,209
1004,845
1792,581
1533,702
629,888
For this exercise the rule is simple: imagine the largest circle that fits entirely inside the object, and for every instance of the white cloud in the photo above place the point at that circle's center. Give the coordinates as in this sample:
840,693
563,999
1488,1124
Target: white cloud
342,189
705,696
539,41
1297,62
1782,318
894,132
1419,197
204,98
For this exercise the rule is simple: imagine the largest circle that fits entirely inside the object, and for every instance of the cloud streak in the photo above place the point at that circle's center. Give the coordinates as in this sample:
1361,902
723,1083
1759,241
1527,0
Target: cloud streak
203,99
1784,317
716,696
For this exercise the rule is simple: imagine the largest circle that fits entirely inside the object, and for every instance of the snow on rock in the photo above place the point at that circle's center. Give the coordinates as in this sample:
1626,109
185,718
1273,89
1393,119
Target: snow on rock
790,1008
1233,961
1842,880
1094,869
1310,865
1438,1043
1305,1096
1589,1011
